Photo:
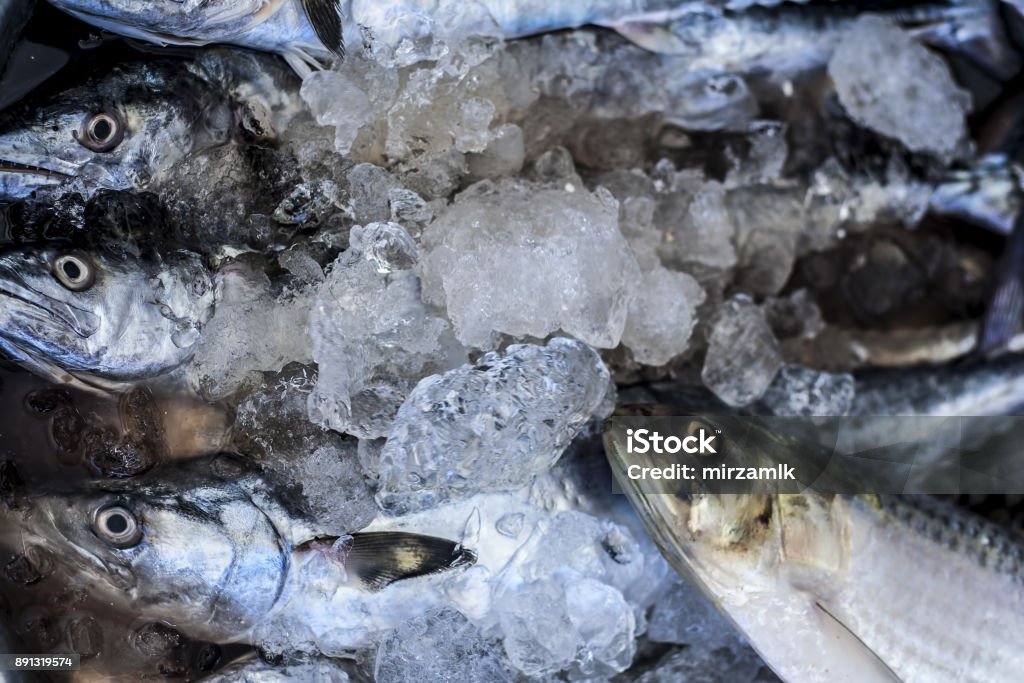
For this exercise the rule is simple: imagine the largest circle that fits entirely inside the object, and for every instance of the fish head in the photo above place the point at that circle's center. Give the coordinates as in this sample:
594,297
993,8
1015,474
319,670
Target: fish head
198,555
176,22
122,129
88,312
722,540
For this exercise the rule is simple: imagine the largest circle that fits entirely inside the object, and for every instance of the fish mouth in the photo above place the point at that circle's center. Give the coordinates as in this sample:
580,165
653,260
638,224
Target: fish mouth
29,169
22,174
19,297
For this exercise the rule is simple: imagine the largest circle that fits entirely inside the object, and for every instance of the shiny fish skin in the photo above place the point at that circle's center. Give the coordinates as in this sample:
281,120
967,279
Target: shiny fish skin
212,550
158,112
716,35
848,588
136,319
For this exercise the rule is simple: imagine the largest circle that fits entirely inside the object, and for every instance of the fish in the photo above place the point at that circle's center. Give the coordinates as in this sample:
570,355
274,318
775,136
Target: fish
123,128
304,32
844,587
213,549
978,387
83,317
713,35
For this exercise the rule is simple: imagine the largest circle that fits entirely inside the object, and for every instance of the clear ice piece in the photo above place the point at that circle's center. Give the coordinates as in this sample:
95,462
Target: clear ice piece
490,426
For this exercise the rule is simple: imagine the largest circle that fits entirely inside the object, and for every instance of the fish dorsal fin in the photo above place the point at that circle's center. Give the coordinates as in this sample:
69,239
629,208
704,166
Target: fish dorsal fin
325,16
853,652
376,559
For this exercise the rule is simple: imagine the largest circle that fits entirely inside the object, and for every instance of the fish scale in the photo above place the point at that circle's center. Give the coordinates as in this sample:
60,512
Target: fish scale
717,35
841,588
920,623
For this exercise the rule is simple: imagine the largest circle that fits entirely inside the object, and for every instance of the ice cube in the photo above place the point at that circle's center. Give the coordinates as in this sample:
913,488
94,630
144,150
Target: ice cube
798,390
251,331
526,261
743,356
892,84
703,234
490,426
682,615
662,316
372,336
438,646
503,156
369,193
337,100
769,219
537,634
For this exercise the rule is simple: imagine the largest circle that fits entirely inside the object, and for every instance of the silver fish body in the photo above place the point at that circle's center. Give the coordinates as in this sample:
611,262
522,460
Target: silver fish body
845,588
91,313
208,548
719,35
122,129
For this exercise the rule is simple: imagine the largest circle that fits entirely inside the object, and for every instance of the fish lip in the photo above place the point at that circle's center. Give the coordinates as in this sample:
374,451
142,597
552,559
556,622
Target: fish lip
29,169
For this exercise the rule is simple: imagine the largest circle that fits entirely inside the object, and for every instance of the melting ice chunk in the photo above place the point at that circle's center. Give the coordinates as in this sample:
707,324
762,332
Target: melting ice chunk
895,86
372,336
743,355
439,646
662,316
529,261
491,426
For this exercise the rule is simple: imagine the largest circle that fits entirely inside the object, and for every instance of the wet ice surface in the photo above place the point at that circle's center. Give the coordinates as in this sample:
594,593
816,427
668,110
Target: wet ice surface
895,86
488,427
476,246
560,248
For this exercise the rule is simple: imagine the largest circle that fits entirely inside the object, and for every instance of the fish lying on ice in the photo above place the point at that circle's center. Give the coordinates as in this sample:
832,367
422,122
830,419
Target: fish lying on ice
715,35
210,549
76,312
121,129
846,588
127,127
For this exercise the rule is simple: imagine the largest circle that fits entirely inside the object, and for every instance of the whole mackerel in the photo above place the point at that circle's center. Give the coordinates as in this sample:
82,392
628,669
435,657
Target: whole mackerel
718,34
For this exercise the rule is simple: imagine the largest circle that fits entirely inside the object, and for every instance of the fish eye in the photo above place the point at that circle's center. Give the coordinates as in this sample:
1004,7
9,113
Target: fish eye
694,427
101,132
74,271
117,526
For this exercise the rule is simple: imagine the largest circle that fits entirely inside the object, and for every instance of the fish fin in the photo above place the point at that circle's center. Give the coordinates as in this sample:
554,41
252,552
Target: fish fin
650,36
325,16
301,60
379,558
857,655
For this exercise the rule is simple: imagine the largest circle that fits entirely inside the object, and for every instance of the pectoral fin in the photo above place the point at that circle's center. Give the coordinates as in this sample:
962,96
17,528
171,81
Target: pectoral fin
380,558
854,654
325,16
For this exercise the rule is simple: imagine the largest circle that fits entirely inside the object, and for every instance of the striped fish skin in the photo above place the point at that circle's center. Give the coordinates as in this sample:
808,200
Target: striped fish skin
735,34
850,588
